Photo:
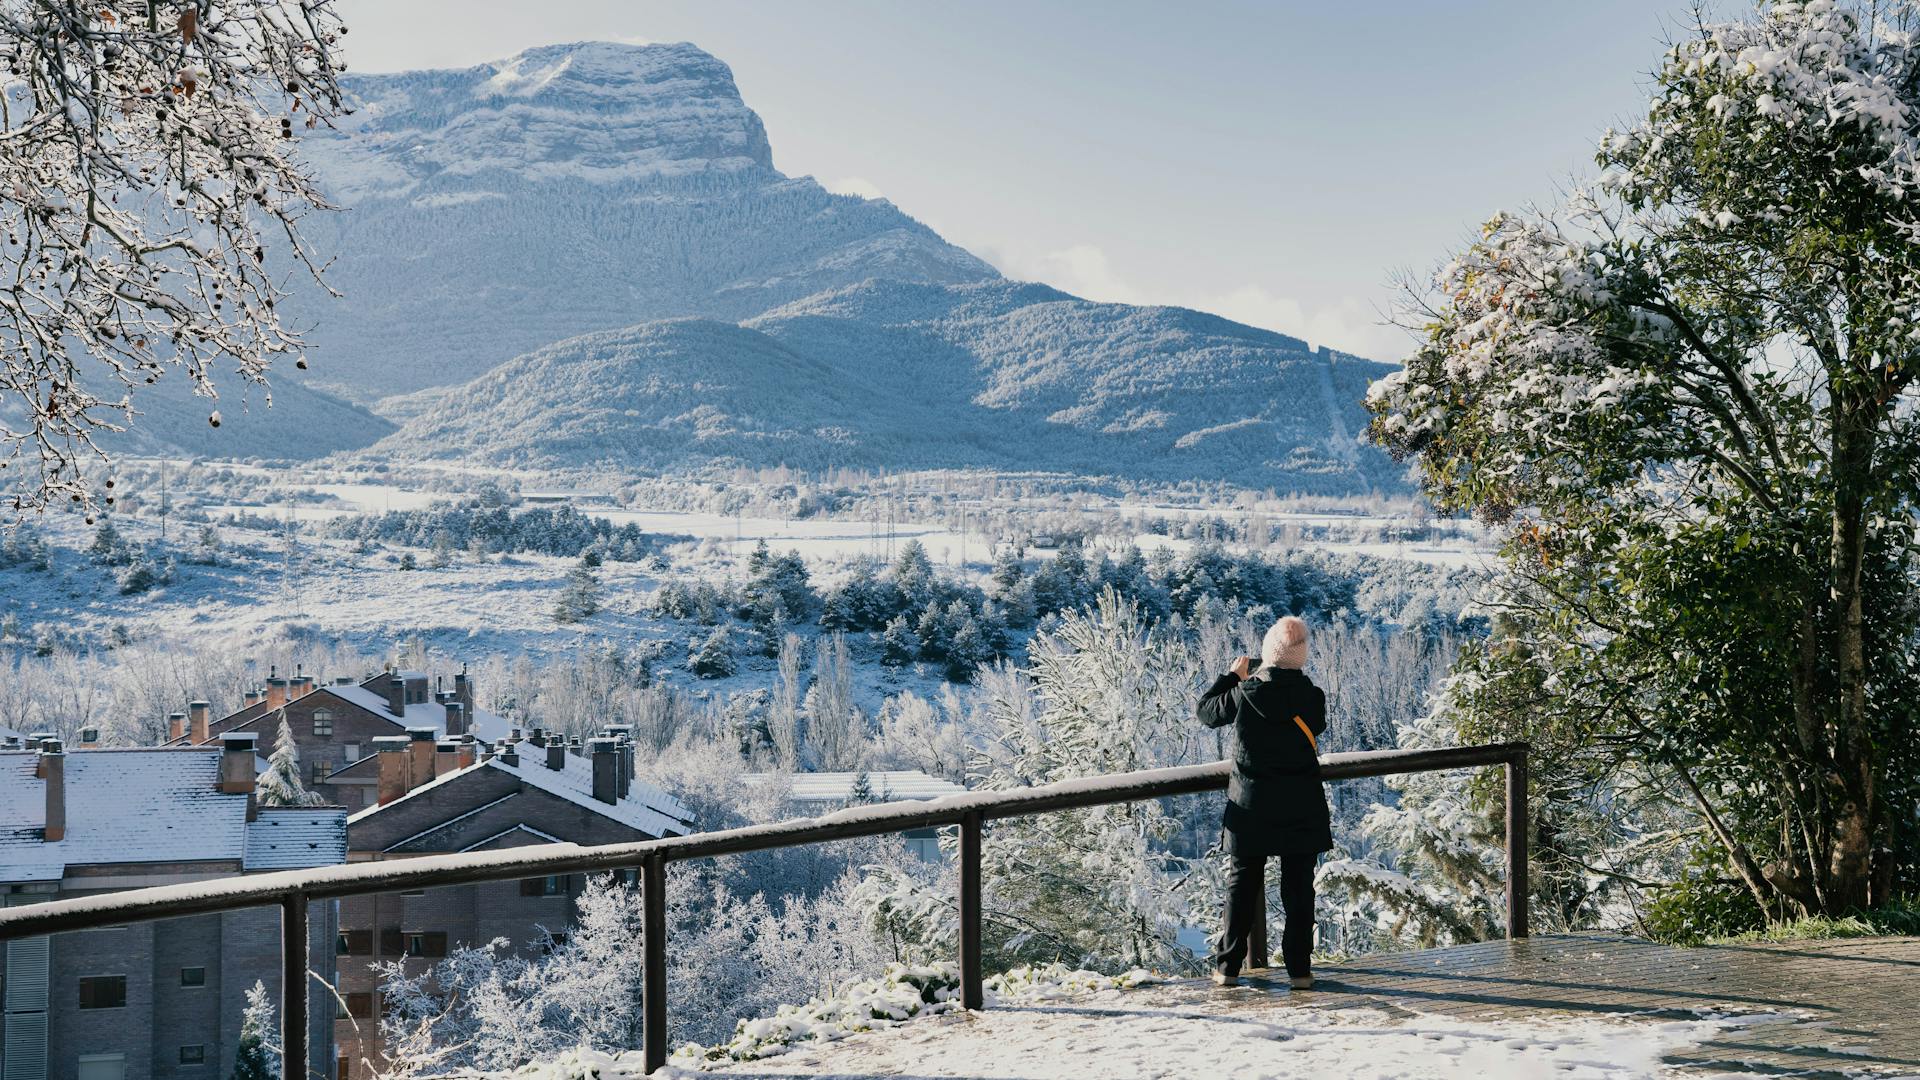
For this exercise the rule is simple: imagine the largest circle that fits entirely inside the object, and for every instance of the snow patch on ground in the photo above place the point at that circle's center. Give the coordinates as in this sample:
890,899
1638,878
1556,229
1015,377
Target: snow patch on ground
1115,1035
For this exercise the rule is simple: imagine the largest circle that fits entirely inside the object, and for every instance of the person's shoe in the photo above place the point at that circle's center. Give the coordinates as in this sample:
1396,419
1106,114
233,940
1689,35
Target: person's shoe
1301,982
1221,978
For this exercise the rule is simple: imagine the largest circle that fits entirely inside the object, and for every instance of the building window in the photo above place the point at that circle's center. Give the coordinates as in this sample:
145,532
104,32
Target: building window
359,1006
555,885
343,1069
103,991
193,976
392,942
100,1067
427,943
352,753
195,1054
356,943
322,724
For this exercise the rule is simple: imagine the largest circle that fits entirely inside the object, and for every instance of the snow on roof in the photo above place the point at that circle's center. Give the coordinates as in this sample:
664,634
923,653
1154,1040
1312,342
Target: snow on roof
646,808
123,806
909,785
485,726
293,837
8,733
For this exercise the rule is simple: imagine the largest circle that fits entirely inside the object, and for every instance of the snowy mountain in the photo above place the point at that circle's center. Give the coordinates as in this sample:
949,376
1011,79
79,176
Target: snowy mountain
569,189
895,375
301,422
584,255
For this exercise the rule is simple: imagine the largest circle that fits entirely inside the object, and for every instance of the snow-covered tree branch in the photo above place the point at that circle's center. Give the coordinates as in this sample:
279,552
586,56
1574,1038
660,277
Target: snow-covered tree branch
150,203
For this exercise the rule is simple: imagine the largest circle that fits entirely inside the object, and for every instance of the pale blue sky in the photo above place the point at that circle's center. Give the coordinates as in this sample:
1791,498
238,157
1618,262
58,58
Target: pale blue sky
1276,163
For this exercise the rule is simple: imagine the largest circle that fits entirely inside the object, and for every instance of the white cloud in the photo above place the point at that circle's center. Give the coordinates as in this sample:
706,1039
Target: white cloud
854,185
1348,324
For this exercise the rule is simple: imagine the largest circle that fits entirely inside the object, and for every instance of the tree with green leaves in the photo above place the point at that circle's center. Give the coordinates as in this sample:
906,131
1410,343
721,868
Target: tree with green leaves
1688,397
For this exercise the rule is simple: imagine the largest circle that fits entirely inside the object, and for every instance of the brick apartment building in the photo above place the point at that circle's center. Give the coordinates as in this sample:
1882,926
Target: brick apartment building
437,795
335,724
149,1000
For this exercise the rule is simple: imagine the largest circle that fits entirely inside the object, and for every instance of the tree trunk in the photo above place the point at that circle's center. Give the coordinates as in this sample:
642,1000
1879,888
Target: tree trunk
1849,868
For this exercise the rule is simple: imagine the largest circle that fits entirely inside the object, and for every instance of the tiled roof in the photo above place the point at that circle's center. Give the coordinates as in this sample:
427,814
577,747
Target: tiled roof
151,806
646,808
291,837
837,787
485,726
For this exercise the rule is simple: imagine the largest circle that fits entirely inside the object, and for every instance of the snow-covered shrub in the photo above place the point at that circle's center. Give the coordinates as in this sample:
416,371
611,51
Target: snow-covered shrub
902,993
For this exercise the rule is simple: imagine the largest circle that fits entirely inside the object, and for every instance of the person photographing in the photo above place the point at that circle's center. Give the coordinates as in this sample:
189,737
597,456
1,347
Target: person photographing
1276,804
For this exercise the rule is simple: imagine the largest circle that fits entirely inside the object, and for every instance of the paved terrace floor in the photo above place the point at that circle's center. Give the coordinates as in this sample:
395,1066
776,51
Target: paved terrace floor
1847,1008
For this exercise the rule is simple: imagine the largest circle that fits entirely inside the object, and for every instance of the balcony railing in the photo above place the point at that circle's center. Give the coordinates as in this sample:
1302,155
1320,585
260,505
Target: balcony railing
292,890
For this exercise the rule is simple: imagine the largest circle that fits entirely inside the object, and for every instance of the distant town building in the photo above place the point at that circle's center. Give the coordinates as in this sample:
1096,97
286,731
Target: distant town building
814,793
149,1000
334,724
436,795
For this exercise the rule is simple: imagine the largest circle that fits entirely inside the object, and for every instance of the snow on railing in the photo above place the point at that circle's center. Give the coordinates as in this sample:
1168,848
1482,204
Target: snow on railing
292,890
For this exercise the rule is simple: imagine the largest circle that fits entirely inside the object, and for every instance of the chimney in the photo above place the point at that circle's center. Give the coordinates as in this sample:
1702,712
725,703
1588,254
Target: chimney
397,696
343,680
395,763
446,757
420,740
201,719
250,698
468,750
463,689
237,752
606,770
176,726
537,737
89,738
52,767
557,755
456,719
510,754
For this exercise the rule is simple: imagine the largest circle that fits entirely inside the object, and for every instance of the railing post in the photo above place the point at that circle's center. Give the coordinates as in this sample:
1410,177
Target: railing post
293,986
972,987
1517,890
653,899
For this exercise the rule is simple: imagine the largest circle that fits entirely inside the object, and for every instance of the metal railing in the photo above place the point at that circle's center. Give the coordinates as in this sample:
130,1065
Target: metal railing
293,890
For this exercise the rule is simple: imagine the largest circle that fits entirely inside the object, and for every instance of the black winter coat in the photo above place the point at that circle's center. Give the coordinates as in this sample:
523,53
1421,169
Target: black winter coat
1276,804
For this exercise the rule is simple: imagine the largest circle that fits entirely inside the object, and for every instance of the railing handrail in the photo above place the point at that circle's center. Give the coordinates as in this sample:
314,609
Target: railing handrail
292,890
460,868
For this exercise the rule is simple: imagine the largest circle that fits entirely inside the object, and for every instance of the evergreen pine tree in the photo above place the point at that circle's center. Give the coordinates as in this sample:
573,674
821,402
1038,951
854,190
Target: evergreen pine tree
899,644
280,785
1007,568
255,1059
713,657
580,596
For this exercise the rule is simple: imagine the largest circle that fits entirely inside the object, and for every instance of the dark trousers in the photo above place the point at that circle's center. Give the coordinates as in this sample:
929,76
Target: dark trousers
1246,883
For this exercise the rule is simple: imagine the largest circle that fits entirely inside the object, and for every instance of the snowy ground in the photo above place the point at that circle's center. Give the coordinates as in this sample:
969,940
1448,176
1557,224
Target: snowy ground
1130,1034
841,538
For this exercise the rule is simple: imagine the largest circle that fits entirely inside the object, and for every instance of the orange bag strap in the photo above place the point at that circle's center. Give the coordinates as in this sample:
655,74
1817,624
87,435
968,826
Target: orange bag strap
1308,732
